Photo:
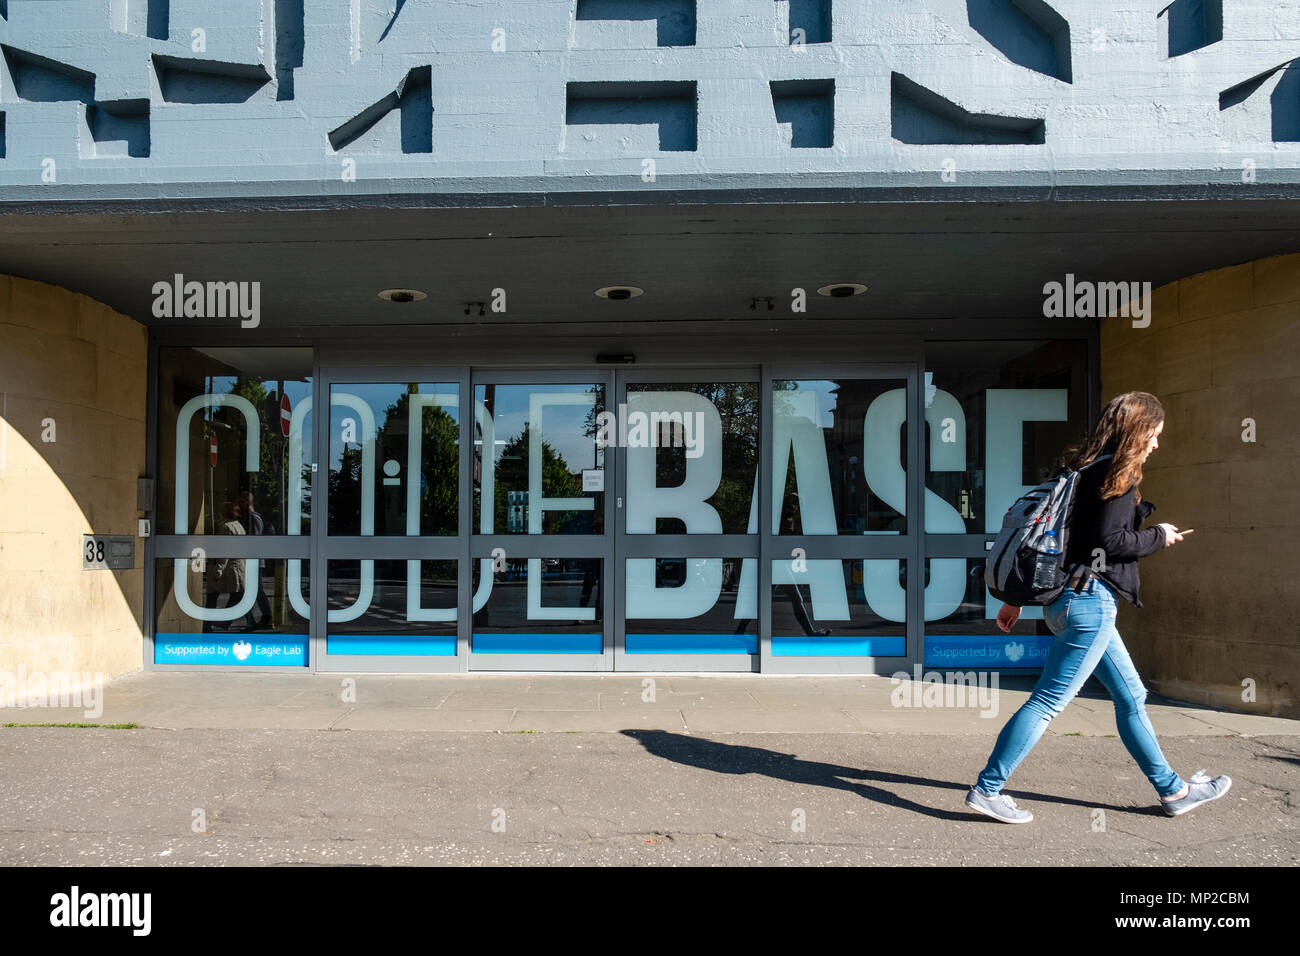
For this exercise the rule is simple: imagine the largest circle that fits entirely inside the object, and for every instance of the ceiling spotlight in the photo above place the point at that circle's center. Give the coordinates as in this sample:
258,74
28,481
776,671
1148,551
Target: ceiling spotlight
619,292
402,295
842,290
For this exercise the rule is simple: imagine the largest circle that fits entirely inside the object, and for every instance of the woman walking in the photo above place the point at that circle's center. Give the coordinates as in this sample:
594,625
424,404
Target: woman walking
1108,511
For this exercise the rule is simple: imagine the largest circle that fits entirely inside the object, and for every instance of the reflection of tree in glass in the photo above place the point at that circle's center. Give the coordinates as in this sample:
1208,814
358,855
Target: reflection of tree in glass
268,485
558,481
265,483
345,492
439,462
589,426
738,407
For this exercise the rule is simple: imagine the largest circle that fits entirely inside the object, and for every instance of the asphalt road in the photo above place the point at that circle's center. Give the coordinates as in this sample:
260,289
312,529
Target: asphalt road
640,797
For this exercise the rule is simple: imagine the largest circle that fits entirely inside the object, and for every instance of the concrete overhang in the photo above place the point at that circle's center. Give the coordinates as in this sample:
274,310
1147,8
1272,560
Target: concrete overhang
322,263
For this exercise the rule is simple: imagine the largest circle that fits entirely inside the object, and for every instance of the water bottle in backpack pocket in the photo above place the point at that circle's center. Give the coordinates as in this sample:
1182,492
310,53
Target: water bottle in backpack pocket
1048,563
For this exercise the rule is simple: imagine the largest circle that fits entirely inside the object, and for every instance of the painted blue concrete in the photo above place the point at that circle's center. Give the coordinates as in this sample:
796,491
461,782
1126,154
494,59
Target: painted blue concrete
189,99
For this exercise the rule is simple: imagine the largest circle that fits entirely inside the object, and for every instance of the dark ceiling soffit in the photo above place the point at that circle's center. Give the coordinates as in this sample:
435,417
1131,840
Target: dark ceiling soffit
1192,192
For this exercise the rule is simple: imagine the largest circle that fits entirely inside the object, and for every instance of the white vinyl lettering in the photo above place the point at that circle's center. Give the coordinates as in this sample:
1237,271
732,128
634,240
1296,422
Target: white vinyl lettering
797,432
689,502
882,427
416,404
1007,410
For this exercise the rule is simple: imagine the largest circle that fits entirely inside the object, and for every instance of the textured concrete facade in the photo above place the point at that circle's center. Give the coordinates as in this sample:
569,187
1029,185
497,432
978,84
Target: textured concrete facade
1223,606
188,98
72,444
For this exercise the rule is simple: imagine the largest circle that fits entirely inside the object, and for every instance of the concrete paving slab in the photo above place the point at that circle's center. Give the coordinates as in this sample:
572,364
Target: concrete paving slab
826,700
571,721
928,721
710,720
854,704
1245,724
1168,721
199,718
57,715
569,684
495,699
443,719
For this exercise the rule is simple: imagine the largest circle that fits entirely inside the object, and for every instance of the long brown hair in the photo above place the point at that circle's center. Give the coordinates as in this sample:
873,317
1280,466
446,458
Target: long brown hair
1123,431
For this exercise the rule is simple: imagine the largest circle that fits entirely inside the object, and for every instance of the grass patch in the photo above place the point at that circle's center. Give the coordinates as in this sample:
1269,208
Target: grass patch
128,726
521,731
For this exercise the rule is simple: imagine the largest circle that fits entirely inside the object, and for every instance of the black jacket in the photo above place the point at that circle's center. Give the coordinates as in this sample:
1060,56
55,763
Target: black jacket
1112,526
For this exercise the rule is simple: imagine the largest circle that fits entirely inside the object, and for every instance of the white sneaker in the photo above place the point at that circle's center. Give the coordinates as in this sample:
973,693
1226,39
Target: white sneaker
1200,789
1000,807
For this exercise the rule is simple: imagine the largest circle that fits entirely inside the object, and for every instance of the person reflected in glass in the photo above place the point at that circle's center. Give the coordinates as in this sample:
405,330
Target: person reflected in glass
791,592
253,523
225,575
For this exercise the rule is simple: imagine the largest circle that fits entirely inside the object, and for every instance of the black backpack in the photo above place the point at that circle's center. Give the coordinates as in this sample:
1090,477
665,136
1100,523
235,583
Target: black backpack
1011,565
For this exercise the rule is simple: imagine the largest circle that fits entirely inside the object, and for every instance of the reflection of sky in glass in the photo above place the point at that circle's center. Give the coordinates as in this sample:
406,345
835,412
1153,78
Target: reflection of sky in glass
826,399
563,426
296,391
379,397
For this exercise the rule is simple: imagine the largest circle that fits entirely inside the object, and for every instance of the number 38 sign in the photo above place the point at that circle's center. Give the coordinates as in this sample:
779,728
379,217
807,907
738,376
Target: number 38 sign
115,552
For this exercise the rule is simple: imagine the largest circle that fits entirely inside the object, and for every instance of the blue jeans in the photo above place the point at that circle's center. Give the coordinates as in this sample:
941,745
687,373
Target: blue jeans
1086,640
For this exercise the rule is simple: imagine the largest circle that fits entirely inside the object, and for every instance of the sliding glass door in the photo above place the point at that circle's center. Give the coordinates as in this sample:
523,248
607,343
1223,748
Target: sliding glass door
540,554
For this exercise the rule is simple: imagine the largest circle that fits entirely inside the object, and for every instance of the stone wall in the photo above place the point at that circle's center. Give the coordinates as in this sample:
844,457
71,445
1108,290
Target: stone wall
1223,606
72,444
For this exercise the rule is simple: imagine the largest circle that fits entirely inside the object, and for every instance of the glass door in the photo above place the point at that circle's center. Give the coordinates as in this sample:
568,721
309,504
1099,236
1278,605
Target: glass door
843,461
540,555
389,563
691,520
687,519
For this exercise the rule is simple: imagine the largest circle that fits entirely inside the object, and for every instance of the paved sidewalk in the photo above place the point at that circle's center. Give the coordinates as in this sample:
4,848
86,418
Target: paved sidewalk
641,797
565,769
603,703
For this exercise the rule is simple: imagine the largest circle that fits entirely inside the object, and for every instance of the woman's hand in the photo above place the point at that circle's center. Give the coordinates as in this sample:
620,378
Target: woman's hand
1172,534
1008,616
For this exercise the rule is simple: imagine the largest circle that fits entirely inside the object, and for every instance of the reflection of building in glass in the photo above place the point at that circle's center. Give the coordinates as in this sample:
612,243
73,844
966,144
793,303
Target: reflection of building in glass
517,512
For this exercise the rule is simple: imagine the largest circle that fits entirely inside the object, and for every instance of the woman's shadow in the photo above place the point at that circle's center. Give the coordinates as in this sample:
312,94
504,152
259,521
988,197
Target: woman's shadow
731,758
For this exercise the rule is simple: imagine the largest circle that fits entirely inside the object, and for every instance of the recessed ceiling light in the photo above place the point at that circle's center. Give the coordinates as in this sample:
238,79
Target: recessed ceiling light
619,292
402,295
842,290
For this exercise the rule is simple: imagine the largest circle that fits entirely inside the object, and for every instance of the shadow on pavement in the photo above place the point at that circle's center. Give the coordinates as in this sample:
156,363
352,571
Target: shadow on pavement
737,759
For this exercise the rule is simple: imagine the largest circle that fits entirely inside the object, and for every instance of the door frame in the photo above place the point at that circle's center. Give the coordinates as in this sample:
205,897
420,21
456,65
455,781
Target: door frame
478,547
616,545
735,545
325,547
908,547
